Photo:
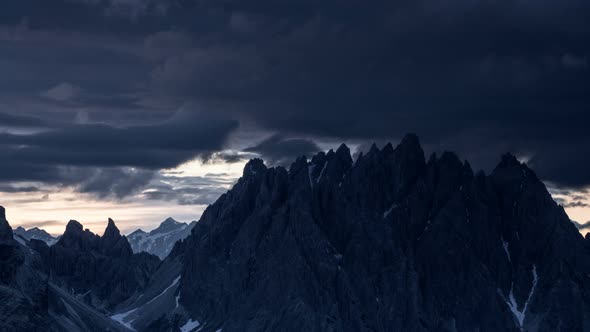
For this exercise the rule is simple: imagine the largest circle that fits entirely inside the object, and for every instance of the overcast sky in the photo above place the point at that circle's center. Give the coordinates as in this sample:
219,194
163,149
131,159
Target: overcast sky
143,109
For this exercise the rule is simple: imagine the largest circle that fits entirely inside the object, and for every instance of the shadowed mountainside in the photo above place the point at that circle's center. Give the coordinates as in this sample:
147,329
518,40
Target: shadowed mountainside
389,242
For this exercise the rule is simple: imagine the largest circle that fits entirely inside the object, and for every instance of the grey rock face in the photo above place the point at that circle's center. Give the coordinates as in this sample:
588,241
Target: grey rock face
391,242
161,240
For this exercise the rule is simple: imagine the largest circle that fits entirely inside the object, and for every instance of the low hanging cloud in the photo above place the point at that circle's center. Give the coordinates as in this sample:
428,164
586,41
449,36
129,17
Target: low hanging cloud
191,190
20,121
110,161
576,204
228,157
62,92
278,149
185,136
9,188
116,182
582,226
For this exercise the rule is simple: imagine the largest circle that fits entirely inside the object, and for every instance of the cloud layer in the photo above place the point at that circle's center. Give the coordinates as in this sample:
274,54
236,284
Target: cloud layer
91,91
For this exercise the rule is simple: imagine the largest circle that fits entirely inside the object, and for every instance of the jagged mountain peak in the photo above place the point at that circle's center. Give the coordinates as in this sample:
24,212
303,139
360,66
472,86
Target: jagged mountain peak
73,226
103,269
76,237
167,226
111,231
6,234
299,163
253,167
159,241
113,243
388,148
373,150
411,148
449,157
410,139
170,220
137,231
508,160
343,150
35,233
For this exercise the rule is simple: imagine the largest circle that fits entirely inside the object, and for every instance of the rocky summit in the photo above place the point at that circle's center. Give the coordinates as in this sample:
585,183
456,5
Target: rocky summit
101,269
161,240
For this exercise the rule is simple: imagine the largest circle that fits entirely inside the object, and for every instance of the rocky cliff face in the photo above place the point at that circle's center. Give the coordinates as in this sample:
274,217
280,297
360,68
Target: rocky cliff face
29,301
6,234
102,269
23,296
389,242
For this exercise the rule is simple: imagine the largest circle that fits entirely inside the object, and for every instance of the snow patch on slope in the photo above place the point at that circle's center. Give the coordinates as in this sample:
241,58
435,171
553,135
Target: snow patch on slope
120,318
189,326
165,290
322,172
386,213
505,246
520,315
161,240
19,240
309,171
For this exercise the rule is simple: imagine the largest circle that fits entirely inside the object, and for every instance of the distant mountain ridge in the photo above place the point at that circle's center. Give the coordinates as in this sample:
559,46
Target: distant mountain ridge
160,241
102,268
37,234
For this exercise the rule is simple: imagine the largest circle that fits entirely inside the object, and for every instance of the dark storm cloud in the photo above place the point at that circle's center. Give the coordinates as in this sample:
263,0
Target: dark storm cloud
189,190
503,75
41,224
7,188
511,76
278,149
116,182
576,204
110,161
230,157
9,120
164,145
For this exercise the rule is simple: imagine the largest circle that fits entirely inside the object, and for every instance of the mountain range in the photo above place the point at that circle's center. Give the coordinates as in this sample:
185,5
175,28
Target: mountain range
160,241
32,298
36,233
389,242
